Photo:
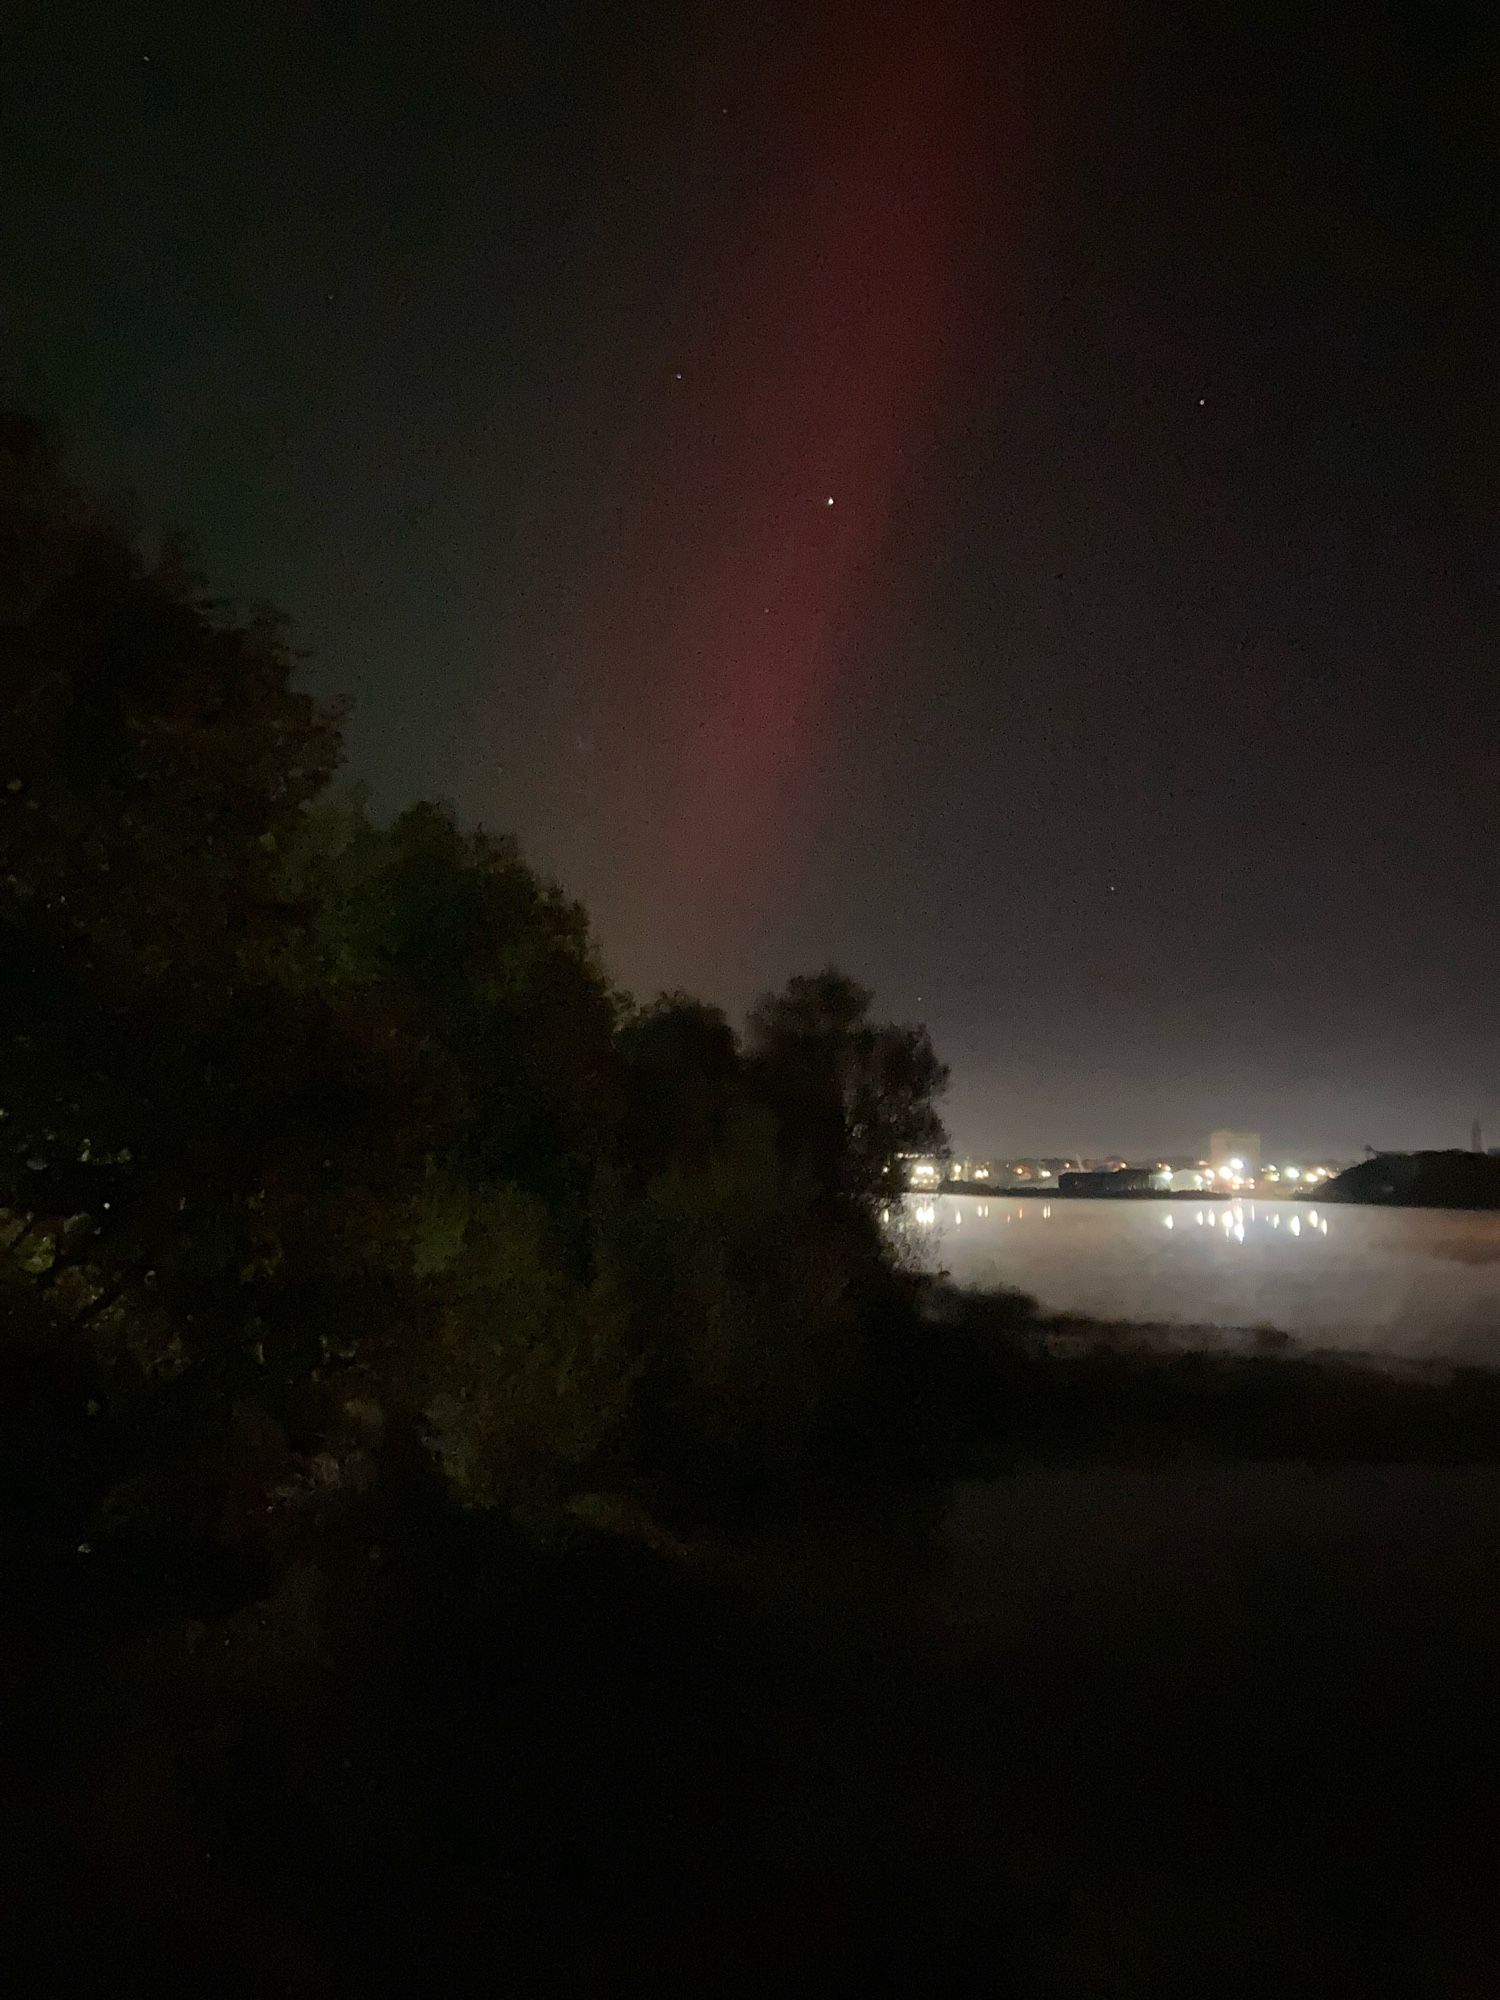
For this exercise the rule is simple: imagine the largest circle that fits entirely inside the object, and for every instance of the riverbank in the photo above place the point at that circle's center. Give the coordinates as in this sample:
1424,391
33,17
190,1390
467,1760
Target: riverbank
1449,1179
1185,1692
1134,1672
1162,1730
1022,1386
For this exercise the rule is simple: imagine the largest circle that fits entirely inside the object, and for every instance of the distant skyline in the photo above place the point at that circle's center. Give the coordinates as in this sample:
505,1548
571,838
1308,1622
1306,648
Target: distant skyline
1000,499
1146,1156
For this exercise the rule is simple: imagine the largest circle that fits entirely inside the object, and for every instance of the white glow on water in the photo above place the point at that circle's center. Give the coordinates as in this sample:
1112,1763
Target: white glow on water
1414,1282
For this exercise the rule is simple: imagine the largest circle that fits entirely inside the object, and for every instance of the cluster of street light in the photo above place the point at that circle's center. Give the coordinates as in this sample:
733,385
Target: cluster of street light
1236,1175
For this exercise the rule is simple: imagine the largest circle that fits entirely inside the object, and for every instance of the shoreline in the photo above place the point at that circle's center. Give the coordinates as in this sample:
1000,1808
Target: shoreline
989,1189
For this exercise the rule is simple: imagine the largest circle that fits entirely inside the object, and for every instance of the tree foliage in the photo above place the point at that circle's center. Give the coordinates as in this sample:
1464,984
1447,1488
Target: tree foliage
162,1090
305,1114
851,1094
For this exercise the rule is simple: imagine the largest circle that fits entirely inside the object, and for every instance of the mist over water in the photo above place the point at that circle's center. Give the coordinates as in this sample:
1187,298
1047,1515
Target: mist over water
1420,1284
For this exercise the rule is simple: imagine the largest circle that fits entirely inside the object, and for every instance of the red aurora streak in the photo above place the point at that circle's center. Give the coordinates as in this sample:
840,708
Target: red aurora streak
737,593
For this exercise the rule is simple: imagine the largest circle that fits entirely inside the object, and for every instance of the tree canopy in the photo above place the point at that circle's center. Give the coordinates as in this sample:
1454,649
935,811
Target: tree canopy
305,1112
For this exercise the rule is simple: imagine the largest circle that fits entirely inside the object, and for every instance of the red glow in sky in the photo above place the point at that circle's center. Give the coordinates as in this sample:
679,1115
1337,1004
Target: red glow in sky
738,597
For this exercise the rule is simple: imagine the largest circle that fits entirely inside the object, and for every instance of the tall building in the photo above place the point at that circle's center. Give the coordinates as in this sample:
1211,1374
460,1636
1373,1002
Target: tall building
1224,1147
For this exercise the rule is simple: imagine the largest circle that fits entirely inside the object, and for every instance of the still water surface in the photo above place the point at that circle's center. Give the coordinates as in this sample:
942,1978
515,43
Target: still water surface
1420,1283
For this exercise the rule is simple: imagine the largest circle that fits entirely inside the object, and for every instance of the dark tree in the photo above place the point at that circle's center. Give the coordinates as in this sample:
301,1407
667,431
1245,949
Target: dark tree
851,1094
683,1079
491,968
156,760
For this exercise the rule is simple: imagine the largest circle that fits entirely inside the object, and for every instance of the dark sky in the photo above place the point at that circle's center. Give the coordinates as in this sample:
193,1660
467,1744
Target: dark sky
1130,716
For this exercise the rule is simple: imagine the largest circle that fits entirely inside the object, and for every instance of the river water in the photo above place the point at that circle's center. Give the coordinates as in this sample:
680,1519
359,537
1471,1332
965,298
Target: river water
1411,1283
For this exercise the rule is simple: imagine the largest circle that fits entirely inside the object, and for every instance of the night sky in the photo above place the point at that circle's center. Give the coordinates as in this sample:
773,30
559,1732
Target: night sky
1130,715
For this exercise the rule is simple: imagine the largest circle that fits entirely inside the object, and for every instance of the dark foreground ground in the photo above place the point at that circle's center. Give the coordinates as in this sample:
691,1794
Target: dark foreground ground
1118,1718
1195,1730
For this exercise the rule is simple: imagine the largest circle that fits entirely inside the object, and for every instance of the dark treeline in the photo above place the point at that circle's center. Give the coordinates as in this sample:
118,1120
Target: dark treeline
1447,1179
319,1132
368,1264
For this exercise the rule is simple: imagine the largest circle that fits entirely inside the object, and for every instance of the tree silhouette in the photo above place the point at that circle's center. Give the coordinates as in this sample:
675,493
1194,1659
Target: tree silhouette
850,1094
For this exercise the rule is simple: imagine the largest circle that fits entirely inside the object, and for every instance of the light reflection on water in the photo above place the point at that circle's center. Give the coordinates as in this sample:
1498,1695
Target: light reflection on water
1410,1281
1237,1219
